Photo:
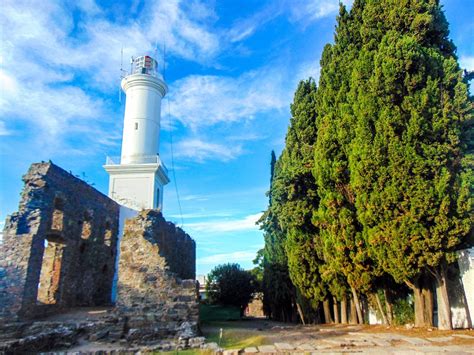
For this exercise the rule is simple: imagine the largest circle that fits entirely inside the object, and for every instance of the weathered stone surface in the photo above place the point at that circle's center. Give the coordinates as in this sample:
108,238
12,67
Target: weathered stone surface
305,347
284,346
416,341
250,350
464,336
211,346
196,342
441,339
63,238
268,349
232,352
150,292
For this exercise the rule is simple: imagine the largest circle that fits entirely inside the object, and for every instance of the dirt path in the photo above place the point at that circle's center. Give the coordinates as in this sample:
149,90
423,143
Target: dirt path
259,335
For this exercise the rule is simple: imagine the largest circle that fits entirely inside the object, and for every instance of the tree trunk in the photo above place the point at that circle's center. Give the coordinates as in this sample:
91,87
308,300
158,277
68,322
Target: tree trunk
357,304
428,305
300,312
327,312
379,305
344,310
419,309
388,306
335,307
444,308
423,299
353,314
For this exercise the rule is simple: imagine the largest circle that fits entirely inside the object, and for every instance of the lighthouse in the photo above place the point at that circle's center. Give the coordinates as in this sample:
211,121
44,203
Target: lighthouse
138,176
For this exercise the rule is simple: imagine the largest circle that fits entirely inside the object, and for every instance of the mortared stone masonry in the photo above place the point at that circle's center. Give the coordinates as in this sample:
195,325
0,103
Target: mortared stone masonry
59,252
59,249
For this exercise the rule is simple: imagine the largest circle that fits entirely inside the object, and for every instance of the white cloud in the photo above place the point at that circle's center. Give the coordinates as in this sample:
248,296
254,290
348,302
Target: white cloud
200,151
194,198
467,62
205,100
246,27
45,50
301,11
200,215
4,131
237,256
310,10
221,226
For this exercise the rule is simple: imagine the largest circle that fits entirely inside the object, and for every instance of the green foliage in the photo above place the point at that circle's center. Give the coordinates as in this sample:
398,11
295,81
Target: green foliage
208,313
375,183
346,261
229,284
407,158
403,312
278,291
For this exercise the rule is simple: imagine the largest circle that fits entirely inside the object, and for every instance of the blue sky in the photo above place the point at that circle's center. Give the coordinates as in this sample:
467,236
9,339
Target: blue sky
231,66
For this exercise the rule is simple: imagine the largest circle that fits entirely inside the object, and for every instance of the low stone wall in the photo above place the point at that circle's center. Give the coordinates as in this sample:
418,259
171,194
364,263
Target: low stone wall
59,248
152,297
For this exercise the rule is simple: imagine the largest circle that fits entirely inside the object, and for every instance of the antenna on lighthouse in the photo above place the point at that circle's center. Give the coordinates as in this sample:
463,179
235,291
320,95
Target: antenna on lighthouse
121,73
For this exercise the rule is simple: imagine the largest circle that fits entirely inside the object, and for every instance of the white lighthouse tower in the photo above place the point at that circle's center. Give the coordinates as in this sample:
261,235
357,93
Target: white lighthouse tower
137,177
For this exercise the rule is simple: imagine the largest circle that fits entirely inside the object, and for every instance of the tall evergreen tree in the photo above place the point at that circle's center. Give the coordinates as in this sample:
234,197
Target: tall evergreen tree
342,243
278,290
296,196
409,173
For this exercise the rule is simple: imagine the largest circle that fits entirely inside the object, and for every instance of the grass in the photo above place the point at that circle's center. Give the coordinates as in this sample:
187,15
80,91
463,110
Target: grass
234,335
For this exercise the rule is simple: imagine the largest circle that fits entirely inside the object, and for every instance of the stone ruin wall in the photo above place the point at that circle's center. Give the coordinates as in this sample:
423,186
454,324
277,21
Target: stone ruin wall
156,286
59,252
59,249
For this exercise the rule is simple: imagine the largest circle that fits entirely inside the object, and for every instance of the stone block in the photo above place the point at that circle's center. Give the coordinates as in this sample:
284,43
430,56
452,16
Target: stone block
305,347
267,349
232,352
250,350
284,346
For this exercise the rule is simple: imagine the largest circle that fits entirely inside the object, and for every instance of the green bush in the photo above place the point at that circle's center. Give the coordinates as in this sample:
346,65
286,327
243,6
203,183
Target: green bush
403,310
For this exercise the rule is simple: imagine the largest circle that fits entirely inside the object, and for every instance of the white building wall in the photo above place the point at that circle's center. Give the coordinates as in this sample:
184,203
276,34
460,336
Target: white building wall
142,117
466,268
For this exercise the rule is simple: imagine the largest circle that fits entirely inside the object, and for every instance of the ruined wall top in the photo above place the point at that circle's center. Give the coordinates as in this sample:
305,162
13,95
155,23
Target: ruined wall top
175,246
59,249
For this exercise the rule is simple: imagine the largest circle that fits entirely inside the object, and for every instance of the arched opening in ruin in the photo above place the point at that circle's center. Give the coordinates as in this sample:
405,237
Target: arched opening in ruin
58,214
49,285
108,234
87,225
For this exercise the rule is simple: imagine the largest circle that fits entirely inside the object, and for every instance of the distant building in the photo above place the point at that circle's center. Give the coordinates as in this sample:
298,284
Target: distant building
202,279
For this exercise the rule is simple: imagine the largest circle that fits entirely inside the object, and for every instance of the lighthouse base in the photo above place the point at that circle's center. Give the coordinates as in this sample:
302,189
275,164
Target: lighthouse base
137,186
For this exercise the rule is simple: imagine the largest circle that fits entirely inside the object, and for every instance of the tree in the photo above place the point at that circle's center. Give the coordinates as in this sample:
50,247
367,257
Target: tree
230,285
346,260
295,196
410,173
278,290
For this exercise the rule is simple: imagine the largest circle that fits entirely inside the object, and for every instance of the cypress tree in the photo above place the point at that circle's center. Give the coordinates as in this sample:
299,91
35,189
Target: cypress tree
343,247
410,174
297,196
278,290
